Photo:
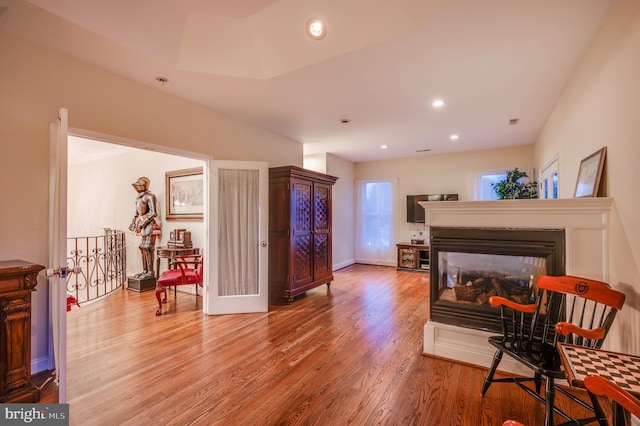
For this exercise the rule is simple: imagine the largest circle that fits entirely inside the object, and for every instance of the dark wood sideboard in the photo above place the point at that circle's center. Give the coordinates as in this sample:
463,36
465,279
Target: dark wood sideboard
413,257
17,280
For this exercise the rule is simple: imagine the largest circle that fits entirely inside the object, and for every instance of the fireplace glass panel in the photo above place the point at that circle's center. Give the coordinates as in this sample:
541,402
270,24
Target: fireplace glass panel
472,278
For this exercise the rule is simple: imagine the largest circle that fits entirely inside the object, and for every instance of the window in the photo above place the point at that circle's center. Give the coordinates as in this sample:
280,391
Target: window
485,180
374,235
484,184
549,179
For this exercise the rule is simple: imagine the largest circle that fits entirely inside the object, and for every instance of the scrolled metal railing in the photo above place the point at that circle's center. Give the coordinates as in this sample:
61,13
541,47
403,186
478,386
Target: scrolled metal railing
103,263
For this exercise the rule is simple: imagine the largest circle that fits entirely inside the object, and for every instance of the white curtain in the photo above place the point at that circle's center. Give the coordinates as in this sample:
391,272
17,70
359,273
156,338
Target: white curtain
238,242
375,230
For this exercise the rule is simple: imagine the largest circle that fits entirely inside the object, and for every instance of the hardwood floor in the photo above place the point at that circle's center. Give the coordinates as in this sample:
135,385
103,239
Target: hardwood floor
348,355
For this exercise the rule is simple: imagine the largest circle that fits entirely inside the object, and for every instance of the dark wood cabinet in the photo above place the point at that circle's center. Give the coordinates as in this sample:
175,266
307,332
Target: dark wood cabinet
17,280
413,257
299,231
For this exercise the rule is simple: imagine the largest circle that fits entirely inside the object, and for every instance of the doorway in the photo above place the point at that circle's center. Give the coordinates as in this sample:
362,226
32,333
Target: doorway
100,195
213,301
100,175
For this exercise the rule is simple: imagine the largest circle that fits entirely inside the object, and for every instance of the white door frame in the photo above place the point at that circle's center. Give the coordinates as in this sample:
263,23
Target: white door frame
57,249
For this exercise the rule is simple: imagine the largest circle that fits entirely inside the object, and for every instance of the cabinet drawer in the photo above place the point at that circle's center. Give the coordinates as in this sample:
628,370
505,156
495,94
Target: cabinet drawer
10,284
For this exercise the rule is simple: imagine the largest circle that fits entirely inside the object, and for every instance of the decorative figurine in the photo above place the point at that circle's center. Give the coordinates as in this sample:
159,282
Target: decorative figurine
144,223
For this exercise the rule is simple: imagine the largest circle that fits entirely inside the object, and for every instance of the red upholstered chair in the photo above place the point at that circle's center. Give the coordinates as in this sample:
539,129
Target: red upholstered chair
187,270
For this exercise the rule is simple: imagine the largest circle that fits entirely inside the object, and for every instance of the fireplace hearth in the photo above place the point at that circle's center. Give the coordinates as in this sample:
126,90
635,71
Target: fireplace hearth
469,265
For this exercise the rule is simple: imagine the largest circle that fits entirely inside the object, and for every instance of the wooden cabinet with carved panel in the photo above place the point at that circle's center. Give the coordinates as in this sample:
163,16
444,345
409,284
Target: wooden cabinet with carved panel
17,280
299,231
413,257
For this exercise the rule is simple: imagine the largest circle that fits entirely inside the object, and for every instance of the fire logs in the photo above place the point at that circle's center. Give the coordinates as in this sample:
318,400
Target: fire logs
479,290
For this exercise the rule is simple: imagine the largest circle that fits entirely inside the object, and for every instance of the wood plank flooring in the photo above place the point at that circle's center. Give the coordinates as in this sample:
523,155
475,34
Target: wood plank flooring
348,355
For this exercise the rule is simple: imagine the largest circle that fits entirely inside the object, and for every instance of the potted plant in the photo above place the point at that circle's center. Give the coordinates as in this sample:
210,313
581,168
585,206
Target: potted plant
513,187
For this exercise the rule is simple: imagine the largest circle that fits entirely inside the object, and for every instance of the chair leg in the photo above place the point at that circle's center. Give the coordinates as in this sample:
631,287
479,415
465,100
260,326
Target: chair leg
537,379
599,413
158,291
497,357
549,391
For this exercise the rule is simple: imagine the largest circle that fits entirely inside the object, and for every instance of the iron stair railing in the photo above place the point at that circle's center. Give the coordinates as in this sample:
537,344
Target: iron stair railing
103,263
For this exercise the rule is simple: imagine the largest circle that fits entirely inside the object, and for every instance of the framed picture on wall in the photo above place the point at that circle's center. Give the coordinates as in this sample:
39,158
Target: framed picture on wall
184,196
590,174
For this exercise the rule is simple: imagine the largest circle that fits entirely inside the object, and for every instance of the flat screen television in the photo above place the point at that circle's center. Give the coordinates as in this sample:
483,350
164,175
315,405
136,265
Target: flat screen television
415,212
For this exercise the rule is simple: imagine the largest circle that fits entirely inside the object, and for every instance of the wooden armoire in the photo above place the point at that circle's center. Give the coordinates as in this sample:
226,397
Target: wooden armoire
299,231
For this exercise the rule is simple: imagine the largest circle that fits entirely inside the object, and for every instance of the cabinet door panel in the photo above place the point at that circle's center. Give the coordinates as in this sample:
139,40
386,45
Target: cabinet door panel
322,209
322,265
302,232
321,259
302,272
17,317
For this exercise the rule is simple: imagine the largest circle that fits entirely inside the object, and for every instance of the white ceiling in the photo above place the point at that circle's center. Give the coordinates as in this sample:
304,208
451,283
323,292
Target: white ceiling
381,64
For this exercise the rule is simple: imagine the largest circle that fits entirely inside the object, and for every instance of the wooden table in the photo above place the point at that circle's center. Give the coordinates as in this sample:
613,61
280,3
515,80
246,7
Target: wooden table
622,369
170,253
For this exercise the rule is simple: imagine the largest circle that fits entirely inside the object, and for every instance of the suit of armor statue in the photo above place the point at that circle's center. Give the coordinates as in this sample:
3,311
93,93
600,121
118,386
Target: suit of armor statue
145,221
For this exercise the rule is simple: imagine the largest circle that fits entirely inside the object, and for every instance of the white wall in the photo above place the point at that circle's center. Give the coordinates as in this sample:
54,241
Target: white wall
35,83
343,207
451,173
599,107
343,211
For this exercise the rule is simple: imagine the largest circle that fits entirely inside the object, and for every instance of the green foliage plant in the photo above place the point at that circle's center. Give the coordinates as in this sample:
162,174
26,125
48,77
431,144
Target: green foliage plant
513,188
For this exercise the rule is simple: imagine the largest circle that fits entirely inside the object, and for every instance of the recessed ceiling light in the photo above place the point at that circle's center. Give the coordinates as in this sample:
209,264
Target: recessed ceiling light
454,137
438,103
384,146
316,29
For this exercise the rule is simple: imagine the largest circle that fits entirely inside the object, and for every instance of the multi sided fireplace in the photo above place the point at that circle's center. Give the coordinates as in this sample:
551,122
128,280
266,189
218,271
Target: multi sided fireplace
469,265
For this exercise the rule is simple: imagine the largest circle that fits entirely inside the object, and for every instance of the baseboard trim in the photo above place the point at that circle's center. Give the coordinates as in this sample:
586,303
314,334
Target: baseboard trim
40,364
465,345
344,264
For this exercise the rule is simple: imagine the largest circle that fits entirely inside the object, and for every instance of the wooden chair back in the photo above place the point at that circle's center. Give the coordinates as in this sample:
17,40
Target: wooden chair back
567,308
585,309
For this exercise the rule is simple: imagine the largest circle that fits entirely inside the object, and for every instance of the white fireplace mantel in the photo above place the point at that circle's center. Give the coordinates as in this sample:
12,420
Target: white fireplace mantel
585,221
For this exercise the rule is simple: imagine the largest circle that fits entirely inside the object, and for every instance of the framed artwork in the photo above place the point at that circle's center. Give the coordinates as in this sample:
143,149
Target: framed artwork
590,174
184,196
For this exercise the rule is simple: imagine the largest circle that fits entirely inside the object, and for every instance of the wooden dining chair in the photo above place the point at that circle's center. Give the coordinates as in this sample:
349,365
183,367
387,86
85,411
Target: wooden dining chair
186,270
568,309
600,386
